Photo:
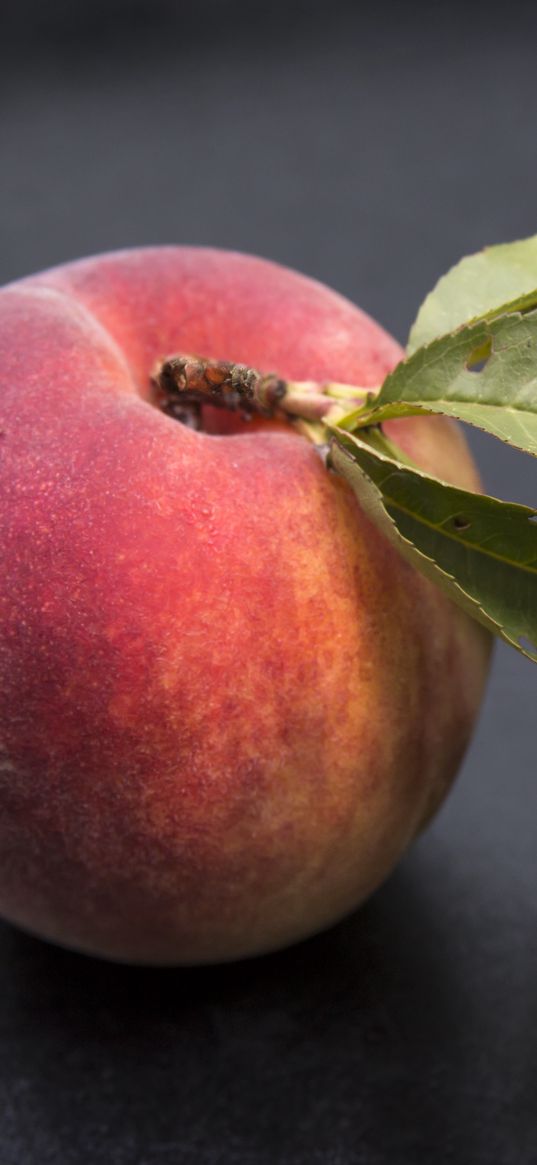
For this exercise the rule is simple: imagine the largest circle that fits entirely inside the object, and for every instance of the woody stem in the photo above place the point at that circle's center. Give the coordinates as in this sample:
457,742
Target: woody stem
190,381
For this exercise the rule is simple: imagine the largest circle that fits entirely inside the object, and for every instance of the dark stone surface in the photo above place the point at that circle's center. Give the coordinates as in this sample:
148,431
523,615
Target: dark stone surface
371,155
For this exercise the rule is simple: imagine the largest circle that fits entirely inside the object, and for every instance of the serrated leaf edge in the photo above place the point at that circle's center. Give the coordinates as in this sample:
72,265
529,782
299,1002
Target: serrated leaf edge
428,566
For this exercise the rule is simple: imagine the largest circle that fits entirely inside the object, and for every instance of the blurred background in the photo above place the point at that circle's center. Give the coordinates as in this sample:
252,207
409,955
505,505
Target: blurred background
370,150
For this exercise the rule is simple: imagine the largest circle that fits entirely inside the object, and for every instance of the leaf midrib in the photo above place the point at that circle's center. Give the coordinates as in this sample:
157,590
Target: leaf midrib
446,401
460,541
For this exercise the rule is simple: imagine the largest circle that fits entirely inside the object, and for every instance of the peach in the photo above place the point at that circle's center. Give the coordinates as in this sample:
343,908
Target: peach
226,703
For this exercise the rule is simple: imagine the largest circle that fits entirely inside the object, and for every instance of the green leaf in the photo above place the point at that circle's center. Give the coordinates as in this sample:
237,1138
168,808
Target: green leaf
481,551
492,282
484,374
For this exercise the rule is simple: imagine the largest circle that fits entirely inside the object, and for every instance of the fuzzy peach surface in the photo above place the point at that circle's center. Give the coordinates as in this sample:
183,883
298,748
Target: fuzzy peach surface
226,704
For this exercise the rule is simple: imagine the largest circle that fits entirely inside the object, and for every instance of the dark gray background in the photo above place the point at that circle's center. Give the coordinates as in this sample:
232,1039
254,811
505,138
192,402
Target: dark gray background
371,152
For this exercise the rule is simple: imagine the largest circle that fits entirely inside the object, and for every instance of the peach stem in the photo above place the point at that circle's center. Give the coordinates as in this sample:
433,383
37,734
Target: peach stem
192,381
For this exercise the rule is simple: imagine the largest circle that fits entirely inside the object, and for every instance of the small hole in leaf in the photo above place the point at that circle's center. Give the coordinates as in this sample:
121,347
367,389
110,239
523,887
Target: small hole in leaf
533,518
527,645
460,522
478,359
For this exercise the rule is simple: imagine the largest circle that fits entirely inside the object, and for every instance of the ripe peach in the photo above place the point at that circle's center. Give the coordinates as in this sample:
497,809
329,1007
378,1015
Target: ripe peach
226,703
